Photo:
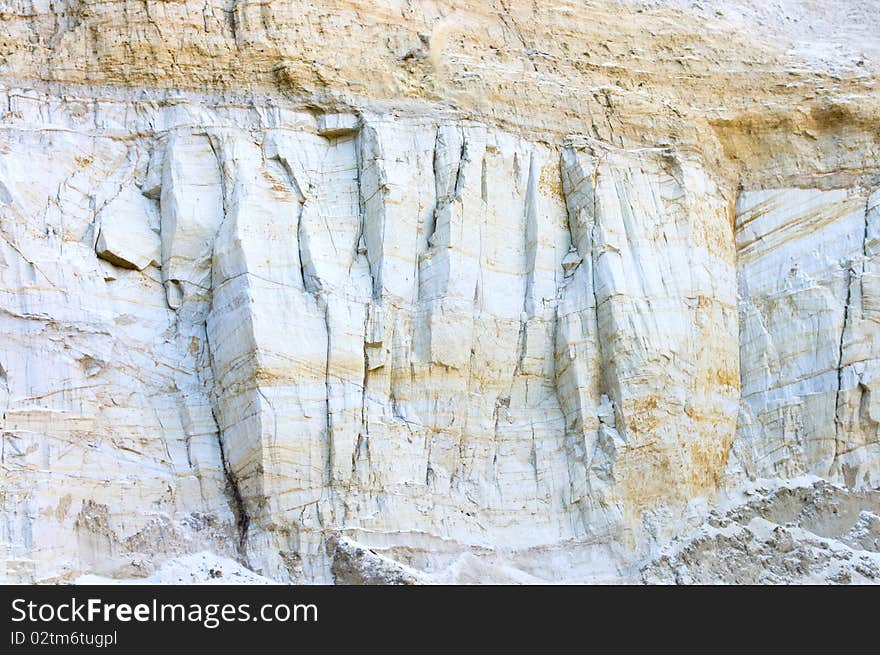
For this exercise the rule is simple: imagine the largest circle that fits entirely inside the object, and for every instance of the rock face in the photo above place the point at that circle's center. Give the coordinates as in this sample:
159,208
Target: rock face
810,333
474,304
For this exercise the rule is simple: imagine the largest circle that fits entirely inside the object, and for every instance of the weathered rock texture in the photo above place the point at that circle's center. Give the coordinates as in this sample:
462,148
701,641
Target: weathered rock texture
395,292
804,531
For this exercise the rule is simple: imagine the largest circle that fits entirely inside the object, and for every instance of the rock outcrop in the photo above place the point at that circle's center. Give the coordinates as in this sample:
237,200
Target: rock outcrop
803,531
508,294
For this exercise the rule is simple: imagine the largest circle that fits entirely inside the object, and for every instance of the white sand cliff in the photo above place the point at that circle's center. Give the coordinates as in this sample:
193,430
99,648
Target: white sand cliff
431,292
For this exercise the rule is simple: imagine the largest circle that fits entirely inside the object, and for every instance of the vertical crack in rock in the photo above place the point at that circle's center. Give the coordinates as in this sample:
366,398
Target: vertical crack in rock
371,220
838,403
521,345
449,184
852,277
436,172
324,305
376,295
230,10
216,148
301,235
499,403
530,249
533,459
6,395
594,260
530,236
302,248
364,432
242,518
361,246
463,160
484,179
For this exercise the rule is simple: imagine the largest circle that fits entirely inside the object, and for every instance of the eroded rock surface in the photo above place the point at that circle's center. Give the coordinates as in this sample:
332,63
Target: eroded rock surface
805,532
478,304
